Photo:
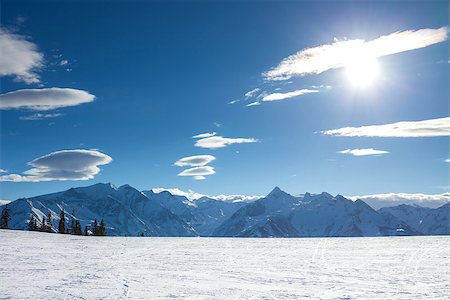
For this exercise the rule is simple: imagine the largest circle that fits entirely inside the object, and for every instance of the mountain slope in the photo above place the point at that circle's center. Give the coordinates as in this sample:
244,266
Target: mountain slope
126,211
282,215
430,221
129,212
203,215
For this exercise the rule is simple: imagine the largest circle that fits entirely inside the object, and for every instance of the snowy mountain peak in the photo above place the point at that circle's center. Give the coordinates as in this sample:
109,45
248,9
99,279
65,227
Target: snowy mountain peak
107,185
275,193
125,186
340,198
326,195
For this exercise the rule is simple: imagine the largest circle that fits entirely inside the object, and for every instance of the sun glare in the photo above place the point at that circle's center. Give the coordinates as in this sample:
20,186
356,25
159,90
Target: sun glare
362,72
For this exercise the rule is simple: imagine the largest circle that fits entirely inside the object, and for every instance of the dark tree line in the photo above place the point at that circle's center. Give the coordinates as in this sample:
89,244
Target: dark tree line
75,225
5,218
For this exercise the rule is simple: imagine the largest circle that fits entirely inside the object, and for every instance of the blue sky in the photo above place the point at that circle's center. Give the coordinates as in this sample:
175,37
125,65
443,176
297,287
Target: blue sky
164,72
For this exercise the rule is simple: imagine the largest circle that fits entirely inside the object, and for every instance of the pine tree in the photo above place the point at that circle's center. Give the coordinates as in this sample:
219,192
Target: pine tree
32,224
102,228
72,222
95,228
86,230
62,222
49,222
77,228
43,225
4,219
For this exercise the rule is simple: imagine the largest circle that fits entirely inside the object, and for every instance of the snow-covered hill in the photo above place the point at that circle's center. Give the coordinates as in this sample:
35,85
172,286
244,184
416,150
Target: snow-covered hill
282,215
54,266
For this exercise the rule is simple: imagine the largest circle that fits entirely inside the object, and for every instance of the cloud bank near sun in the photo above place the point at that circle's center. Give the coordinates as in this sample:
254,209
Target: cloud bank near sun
425,128
75,164
342,52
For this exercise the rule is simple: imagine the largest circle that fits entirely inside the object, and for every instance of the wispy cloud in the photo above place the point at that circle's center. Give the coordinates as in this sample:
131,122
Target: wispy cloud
393,199
19,57
44,99
363,152
204,135
218,141
75,164
198,173
252,93
194,161
234,101
256,103
425,128
330,56
284,96
39,116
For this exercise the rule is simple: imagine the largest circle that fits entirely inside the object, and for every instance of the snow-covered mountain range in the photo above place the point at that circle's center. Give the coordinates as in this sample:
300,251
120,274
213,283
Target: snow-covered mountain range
129,212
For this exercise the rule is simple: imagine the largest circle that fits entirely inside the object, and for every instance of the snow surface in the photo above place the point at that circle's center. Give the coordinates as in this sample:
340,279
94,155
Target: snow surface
36,265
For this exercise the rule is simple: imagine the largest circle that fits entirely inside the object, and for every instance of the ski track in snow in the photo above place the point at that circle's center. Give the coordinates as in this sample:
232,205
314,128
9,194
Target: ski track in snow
51,266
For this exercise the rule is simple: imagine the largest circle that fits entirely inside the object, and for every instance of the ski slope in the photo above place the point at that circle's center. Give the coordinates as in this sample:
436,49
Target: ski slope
37,265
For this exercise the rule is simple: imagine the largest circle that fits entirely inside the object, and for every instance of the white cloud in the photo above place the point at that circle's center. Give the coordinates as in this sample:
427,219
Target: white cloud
425,128
38,116
44,99
3,171
19,57
447,160
64,62
283,96
251,93
363,152
256,103
62,165
262,95
218,141
325,57
236,198
191,195
3,202
194,161
393,199
233,101
204,135
198,173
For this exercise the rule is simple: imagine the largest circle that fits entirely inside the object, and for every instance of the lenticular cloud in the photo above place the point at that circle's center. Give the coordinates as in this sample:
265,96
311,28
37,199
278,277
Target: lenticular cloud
62,165
44,99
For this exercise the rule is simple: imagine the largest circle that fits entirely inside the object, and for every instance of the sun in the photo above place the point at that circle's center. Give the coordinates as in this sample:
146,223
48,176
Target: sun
362,71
